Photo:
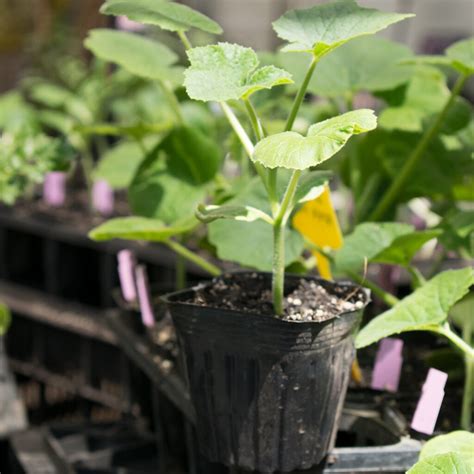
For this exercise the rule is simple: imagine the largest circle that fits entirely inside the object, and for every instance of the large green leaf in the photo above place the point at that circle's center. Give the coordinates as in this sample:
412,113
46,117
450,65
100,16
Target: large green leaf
403,248
167,15
447,463
227,71
462,55
250,244
425,95
427,306
119,164
459,442
166,192
139,228
366,241
192,156
365,64
321,28
5,319
293,151
138,55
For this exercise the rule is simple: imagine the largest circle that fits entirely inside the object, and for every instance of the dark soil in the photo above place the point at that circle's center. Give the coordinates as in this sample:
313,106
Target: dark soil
251,293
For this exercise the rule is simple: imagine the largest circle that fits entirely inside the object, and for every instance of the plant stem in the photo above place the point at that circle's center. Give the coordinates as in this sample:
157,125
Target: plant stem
385,296
245,140
172,101
184,39
397,185
457,341
279,224
238,129
300,96
468,394
286,203
418,278
193,257
254,120
278,276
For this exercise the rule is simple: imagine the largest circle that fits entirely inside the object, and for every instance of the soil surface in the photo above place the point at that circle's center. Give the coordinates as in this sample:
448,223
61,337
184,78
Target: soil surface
251,293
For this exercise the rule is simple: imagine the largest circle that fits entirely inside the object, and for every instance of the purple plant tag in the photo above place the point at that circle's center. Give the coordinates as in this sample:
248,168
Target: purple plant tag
388,365
123,23
54,188
126,271
146,309
429,404
103,197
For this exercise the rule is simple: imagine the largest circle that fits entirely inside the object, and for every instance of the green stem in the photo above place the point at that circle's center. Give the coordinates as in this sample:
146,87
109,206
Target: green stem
244,140
279,224
184,39
287,201
254,120
193,257
300,96
468,394
172,101
238,129
457,341
278,276
400,181
271,174
417,276
385,296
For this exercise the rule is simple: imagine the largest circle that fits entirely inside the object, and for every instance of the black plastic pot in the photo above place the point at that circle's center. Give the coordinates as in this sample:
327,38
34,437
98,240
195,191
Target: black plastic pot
268,393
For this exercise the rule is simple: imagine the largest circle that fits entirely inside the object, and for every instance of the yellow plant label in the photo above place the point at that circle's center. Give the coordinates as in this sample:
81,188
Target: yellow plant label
317,221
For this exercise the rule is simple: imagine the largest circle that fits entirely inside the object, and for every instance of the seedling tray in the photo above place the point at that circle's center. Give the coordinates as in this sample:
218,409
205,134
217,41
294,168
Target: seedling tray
57,257
69,347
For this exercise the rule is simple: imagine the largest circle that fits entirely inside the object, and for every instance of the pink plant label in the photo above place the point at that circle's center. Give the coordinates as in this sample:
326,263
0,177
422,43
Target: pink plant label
126,271
388,365
103,197
144,299
123,23
429,404
54,188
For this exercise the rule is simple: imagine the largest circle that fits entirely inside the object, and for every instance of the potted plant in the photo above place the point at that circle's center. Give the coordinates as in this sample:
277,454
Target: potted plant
260,346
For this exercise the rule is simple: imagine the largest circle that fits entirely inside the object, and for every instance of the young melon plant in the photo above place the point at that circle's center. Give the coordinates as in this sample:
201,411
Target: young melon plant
230,75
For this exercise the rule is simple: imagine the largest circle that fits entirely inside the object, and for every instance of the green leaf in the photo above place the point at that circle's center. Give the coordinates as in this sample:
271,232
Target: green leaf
227,71
322,28
365,242
158,187
293,151
191,155
249,243
462,55
427,306
5,319
212,213
119,164
311,185
138,55
426,95
448,463
169,16
459,442
139,228
403,248
351,69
